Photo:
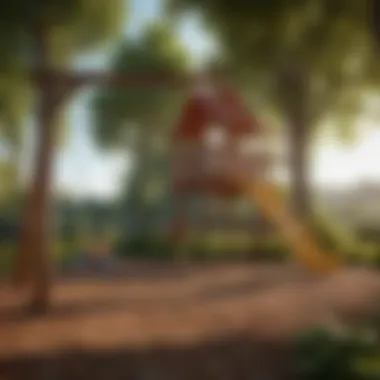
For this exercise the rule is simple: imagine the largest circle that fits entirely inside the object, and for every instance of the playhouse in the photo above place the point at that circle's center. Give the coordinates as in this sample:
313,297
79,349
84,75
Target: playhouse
220,152
215,135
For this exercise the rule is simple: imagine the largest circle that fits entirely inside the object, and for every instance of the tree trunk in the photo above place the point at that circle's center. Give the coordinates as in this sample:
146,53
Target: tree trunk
33,263
294,91
299,136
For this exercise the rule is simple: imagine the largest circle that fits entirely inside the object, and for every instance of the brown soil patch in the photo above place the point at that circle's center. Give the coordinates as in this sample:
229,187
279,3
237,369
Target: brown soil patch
170,321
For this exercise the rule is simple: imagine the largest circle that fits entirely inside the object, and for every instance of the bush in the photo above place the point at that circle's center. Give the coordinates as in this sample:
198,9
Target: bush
215,246
62,254
369,233
269,248
363,254
332,235
211,247
344,242
326,353
236,247
9,231
145,246
65,251
7,254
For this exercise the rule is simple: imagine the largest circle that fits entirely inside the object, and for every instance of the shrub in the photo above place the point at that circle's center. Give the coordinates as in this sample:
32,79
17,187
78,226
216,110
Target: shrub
326,353
344,242
7,254
332,235
147,246
369,233
65,251
270,248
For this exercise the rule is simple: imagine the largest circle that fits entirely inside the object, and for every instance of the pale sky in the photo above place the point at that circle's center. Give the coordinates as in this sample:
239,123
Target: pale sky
82,170
340,164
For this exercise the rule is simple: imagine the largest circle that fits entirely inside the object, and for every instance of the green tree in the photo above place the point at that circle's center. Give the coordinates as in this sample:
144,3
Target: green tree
374,20
156,55
15,100
141,119
306,56
46,36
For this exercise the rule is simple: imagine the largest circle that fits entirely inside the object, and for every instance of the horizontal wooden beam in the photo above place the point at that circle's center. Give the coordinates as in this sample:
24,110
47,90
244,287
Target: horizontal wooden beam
105,78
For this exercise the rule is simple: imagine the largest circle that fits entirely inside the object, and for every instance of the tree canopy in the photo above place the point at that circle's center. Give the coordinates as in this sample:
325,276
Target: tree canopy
328,41
139,119
156,53
310,59
72,26
69,29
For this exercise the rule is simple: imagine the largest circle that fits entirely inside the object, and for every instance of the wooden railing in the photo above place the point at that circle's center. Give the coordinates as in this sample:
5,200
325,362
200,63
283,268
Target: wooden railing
197,162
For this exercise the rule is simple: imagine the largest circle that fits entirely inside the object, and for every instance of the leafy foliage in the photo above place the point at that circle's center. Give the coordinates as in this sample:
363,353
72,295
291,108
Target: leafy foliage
374,10
309,58
140,118
67,27
333,353
68,24
156,54
146,247
326,42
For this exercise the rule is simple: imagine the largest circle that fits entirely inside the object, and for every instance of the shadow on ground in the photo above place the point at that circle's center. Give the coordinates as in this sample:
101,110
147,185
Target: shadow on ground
227,358
170,328
128,301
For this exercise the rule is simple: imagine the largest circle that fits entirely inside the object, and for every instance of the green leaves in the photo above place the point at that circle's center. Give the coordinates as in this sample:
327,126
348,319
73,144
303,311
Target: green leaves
150,111
98,22
69,27
16,101
328,40
156,55
335,353
88,22
374,20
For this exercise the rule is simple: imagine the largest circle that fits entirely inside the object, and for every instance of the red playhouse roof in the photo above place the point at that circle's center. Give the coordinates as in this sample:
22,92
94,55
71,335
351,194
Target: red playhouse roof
195,117
227,109
235,115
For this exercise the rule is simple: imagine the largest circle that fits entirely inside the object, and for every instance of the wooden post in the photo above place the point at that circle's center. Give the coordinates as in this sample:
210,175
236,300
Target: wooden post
34,261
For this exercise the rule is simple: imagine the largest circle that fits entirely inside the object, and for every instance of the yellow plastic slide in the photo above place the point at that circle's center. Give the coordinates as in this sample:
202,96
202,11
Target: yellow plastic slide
300,239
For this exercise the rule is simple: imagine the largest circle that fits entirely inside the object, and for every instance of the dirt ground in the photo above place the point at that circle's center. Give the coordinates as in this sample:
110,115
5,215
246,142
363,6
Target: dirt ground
157,321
